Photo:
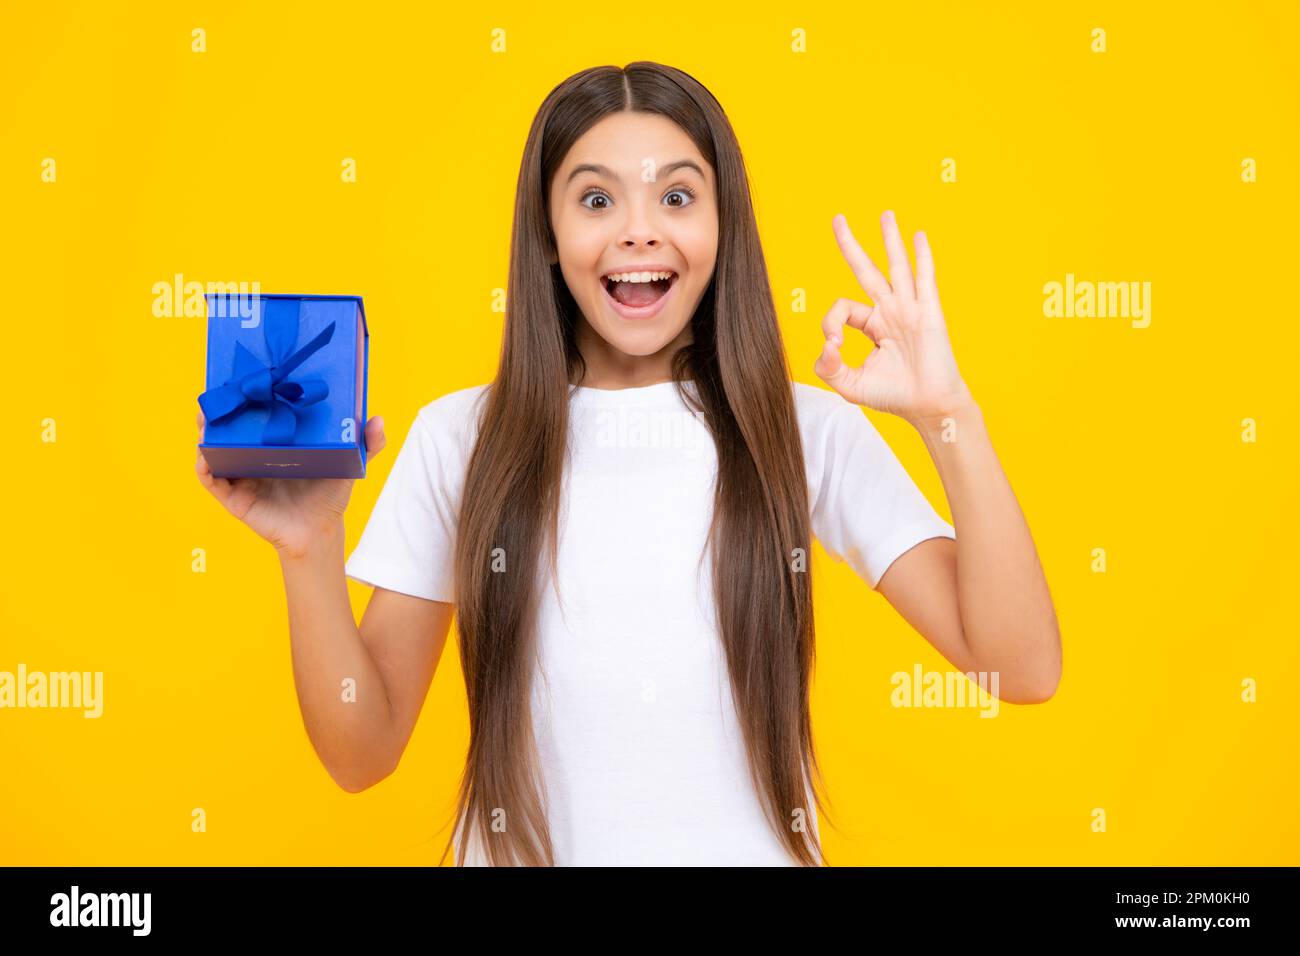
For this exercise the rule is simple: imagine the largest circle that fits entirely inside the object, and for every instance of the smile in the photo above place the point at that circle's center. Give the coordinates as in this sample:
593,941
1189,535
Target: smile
638,294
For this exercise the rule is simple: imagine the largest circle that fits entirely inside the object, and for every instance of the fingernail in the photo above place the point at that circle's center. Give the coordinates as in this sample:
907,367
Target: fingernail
889,215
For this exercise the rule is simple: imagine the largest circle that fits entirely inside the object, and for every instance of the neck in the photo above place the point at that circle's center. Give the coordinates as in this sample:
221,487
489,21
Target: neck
608,368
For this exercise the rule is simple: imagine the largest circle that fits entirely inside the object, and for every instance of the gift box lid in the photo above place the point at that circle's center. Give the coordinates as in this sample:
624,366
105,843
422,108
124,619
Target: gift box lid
210,296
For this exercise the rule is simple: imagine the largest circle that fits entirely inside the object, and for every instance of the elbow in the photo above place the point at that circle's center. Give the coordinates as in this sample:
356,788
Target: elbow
1036,677
354,786
1039,693
357,784
1031,690
1047,678
360,779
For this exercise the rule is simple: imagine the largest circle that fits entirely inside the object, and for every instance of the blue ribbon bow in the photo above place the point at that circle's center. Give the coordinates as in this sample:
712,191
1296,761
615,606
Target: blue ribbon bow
254,384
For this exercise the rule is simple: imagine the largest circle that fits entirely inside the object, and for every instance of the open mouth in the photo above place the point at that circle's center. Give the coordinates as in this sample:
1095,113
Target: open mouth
638,290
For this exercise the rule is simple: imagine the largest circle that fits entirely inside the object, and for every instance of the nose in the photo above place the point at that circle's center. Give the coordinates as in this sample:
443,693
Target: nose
640,231
632,241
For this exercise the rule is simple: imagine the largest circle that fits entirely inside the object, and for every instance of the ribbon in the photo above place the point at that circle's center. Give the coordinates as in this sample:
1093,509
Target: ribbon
254,384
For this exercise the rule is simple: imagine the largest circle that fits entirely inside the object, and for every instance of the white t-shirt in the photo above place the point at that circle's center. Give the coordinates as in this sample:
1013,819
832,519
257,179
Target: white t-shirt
641,751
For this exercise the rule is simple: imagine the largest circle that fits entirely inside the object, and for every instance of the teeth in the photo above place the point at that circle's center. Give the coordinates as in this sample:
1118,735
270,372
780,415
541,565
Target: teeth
638,276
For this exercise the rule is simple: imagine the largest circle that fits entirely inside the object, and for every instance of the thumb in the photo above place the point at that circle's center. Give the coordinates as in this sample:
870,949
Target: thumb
375,438
830,367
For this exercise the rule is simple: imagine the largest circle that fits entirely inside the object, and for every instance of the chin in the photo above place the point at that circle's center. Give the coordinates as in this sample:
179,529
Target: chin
640,342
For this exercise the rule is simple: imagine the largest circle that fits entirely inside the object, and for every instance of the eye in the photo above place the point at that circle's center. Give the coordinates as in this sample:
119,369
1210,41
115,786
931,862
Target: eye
593,192
683,190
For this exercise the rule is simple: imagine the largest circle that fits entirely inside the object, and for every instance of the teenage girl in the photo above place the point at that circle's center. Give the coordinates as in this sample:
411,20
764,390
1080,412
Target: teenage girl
622,519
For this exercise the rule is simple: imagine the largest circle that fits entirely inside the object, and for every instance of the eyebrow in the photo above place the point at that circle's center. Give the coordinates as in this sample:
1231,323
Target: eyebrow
606,171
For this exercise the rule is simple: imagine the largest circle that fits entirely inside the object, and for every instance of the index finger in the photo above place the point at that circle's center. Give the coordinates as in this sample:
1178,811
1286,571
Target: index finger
870,278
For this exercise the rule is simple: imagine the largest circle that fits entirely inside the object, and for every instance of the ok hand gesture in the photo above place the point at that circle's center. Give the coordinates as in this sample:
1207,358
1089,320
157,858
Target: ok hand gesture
911,372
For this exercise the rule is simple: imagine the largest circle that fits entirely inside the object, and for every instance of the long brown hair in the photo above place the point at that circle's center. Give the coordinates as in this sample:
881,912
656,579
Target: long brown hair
512,489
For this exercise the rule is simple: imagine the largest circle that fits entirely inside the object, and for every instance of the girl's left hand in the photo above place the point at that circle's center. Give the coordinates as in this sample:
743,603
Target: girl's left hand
911,372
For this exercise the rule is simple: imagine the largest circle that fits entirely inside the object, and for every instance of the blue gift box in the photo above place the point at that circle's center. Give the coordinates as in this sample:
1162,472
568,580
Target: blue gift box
286,386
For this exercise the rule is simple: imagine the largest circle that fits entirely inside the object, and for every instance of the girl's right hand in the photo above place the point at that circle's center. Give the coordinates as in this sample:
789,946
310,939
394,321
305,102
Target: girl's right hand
291,513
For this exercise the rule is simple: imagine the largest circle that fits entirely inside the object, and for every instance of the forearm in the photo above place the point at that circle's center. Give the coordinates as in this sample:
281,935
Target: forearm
1006,608
349,724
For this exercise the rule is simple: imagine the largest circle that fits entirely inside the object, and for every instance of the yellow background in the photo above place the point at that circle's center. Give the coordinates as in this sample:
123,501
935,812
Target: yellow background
225,166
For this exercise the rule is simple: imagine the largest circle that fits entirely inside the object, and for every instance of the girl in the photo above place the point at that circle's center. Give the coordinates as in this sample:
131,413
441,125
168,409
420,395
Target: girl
621,519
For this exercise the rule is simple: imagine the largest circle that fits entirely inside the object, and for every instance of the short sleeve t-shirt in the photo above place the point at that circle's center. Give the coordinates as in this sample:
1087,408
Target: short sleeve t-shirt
642,754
